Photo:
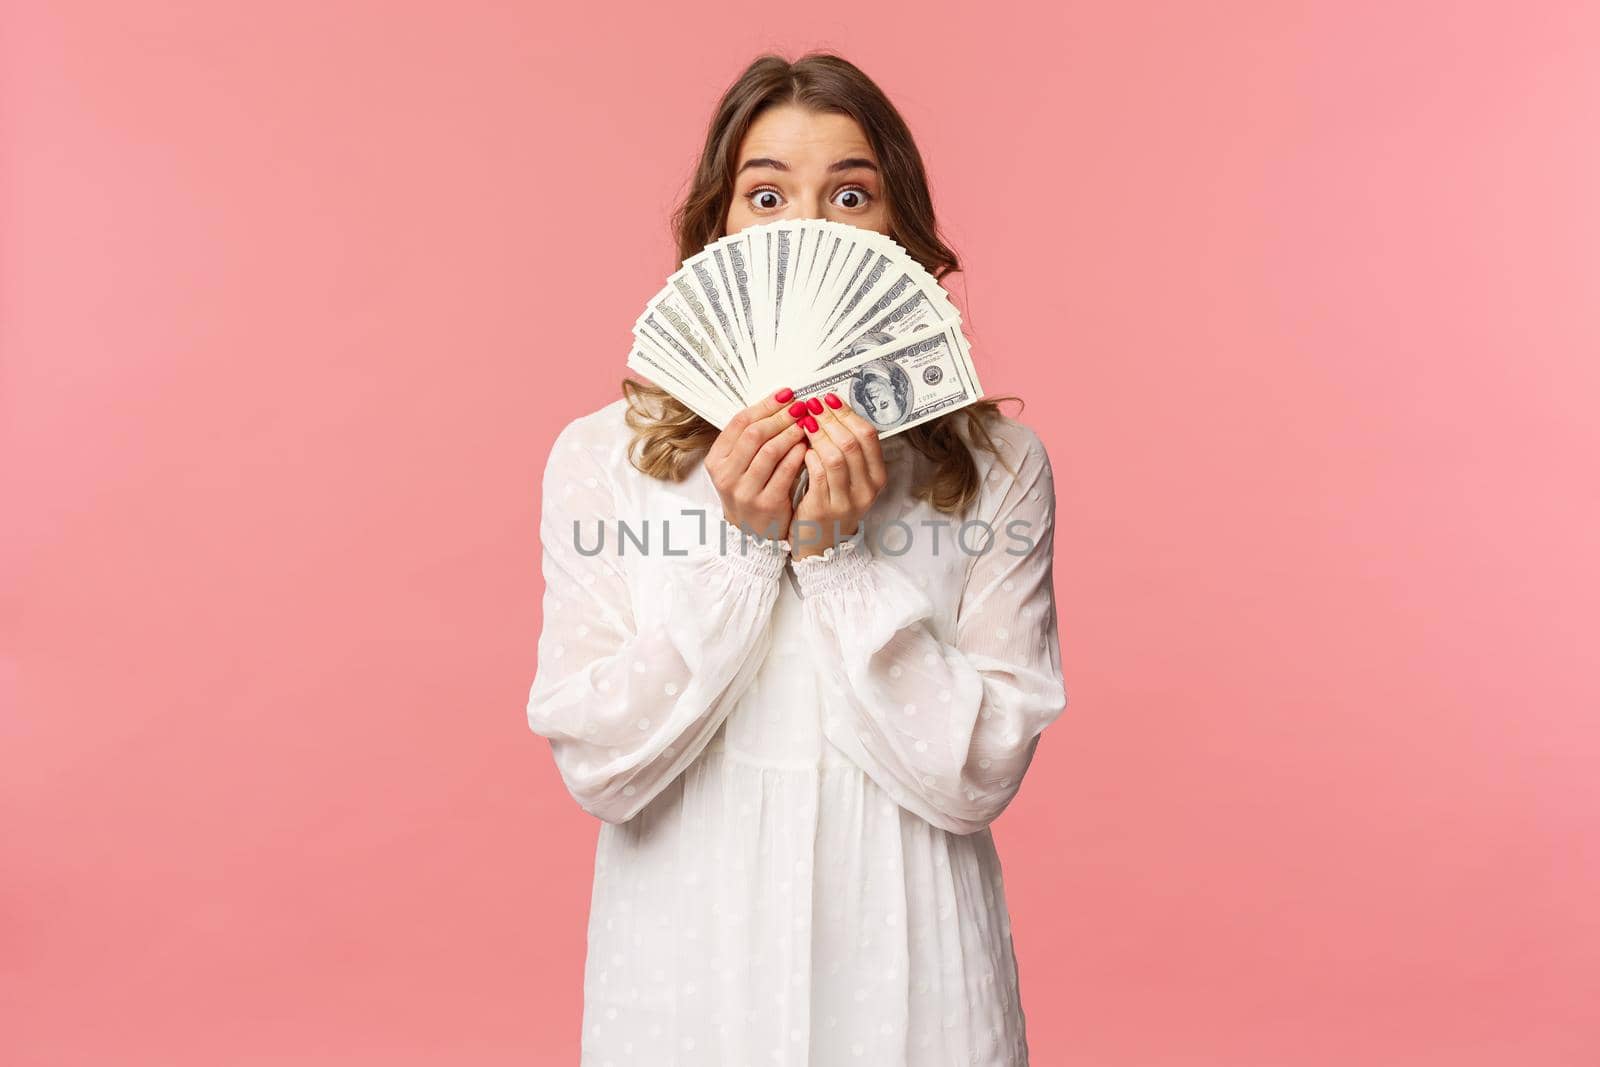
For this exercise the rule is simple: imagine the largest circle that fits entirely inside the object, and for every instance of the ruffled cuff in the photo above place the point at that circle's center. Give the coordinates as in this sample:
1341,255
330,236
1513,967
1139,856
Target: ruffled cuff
747,553
840,566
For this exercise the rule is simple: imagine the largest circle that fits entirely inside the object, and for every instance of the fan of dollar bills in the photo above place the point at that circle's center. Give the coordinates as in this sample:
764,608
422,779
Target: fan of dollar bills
814,305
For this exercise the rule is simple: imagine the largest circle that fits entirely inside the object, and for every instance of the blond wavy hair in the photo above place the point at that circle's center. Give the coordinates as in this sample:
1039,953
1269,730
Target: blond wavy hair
668,437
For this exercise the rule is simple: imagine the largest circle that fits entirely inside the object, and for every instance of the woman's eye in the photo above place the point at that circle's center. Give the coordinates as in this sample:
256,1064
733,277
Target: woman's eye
858,197
758,199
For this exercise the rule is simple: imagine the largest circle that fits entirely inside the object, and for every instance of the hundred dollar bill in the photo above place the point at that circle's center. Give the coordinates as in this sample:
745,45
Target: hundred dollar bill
710,272
869,279
743,291
782,253
691,298
653,369
912,315
904,383
653,332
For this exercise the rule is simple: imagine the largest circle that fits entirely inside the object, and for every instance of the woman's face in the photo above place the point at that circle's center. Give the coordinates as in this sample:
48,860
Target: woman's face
799,164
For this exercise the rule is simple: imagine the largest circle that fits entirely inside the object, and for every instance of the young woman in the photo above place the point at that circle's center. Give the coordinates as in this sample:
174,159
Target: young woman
797,741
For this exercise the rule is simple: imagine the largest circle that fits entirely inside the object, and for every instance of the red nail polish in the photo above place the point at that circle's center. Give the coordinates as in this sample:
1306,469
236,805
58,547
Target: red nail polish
834,401
798,408
815,405
809,423
784,395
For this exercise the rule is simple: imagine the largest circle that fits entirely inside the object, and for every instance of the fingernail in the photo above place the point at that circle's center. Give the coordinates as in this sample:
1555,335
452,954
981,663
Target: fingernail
784,395
798,408
809,423
815,405
834,401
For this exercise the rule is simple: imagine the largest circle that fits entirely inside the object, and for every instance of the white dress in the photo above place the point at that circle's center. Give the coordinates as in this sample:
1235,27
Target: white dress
796,763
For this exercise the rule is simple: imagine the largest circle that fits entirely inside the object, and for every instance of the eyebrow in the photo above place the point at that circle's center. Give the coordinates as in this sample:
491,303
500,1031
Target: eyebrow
853,163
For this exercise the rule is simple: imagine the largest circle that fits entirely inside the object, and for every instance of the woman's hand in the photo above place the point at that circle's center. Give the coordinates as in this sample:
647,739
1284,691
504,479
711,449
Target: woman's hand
845,461
754,463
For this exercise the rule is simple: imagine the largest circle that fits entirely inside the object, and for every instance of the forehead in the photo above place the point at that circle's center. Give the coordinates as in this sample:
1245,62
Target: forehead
800,137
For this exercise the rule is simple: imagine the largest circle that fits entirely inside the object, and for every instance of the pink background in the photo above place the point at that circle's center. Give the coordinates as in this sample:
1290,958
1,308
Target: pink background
1305,301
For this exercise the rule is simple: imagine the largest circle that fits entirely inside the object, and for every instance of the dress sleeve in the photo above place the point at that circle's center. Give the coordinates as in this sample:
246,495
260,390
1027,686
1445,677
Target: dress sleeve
947,729
630,694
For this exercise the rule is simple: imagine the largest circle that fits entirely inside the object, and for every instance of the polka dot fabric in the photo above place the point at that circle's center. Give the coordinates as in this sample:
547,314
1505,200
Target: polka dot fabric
796,762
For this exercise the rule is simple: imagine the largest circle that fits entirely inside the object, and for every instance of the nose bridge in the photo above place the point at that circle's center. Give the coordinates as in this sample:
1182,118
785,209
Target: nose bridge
808,199
810,193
